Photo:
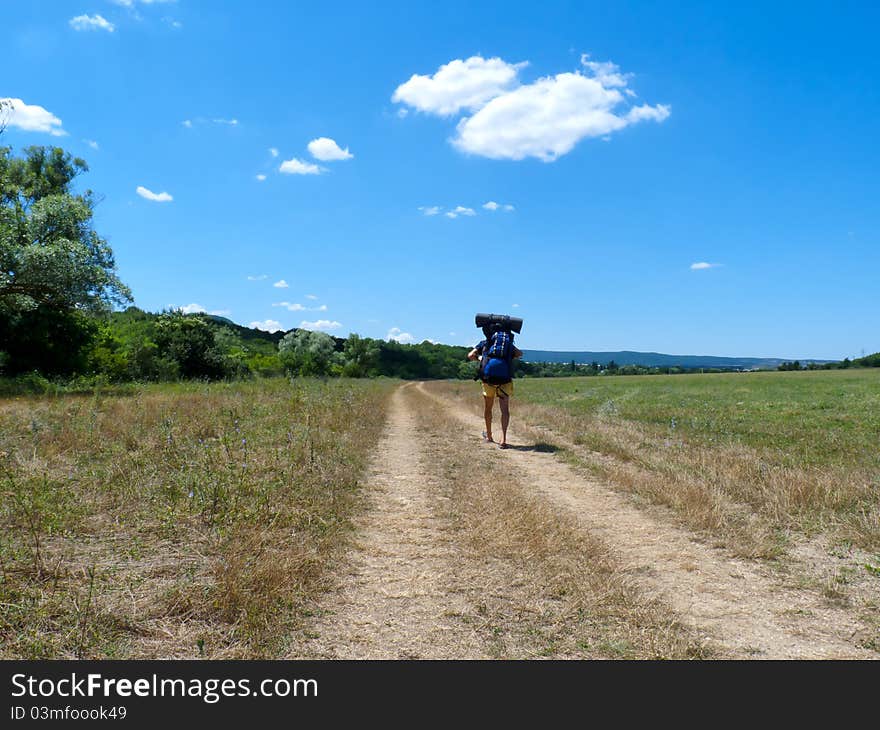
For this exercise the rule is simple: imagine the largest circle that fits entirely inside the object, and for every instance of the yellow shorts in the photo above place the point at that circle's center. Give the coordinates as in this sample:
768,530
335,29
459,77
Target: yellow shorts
505,390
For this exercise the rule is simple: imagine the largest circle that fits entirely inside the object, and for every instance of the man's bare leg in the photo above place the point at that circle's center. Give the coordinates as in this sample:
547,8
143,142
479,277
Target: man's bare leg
504,402
487,414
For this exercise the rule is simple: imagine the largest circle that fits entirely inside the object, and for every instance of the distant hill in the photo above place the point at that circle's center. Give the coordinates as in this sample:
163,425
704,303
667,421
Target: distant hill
658,359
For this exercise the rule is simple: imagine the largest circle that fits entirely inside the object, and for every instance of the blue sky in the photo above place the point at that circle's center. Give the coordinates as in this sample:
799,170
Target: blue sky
623,143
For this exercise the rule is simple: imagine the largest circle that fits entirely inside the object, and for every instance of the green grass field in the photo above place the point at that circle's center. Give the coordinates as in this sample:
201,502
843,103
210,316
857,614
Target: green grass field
821,418
752,460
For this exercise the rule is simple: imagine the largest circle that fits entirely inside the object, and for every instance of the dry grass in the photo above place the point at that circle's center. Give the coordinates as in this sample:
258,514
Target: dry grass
749,498
546,588
181,521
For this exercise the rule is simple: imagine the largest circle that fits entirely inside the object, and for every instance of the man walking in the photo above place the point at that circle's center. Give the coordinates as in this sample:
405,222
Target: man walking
496,354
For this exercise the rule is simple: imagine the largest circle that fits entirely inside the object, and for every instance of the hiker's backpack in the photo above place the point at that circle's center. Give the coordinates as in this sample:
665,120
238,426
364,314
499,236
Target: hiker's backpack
496,366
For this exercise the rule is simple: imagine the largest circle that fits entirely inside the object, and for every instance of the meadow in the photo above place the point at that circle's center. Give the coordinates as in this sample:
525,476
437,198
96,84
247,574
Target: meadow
181,520
750,459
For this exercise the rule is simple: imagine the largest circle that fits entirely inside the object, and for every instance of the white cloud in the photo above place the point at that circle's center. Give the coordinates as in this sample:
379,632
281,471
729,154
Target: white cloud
515,306
132,3
700,265
91,22
321,324
187,123
311,296
32,118
273,151
261,277
402,113
298,167
544,119
192,308
430,209
460,210
547,118
281,284
607,73
91,143
492,205
220,312
326,149
261,177
230,122
458,85
176,24
508,208
269,325
297,307
155,197
398,335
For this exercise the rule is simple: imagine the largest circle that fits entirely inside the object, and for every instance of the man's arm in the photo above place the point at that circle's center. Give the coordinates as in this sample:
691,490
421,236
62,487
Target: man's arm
474,354
517,352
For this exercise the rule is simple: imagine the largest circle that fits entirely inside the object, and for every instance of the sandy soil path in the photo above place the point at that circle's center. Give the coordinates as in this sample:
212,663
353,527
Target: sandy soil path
409,591
738,604
400,597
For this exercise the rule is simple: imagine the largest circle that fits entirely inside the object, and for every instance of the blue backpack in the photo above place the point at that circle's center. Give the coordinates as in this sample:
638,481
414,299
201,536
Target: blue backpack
496,366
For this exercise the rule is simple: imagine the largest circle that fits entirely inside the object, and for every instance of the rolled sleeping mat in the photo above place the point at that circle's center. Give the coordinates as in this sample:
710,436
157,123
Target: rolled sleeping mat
506,322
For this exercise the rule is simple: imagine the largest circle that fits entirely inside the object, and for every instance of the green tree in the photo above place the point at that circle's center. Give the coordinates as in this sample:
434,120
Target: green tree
361,356
308,353
53,265
188,340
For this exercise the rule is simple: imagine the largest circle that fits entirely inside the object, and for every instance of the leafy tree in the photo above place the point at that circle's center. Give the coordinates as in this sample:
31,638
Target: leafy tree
54,267
189,341
308,353
361,356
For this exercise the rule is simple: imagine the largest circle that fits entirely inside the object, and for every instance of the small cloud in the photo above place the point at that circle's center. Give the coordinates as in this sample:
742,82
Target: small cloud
269,325
398,335
261,277
321,324
261,177
155,197
311,296
430,209
187,123
91,22
460,210
515,306
297,307
326,149
402,113
281,284
700,265
91,143
298,167
492,205
273,151
220,312
230,122
32,118
452,334
171,22
192,309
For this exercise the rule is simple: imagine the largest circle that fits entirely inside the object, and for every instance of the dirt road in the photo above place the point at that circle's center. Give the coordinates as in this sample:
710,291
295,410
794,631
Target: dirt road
413,590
